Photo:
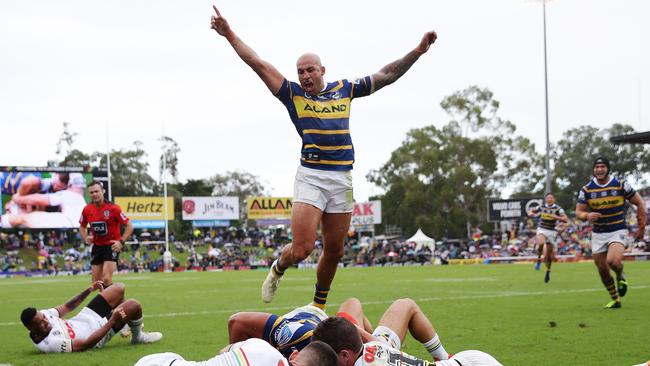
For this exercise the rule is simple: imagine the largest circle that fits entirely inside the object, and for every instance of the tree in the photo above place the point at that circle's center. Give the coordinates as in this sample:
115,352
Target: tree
240,184
440,179
170,150
129,172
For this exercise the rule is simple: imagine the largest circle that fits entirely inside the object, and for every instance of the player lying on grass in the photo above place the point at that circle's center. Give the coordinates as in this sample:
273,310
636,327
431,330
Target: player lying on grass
252,352
93,327
347,333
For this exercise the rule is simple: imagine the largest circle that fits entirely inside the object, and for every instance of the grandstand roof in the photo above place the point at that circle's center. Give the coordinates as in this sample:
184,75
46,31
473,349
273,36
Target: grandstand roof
634,138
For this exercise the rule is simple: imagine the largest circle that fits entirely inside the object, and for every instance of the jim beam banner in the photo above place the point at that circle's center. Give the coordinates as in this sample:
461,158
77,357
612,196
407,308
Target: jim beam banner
511,209
366,213
269,207
146,208
210,208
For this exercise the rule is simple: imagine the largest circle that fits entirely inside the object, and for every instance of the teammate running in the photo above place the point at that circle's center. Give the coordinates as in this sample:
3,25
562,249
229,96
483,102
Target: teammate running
93,327
320,112
546,238
602,202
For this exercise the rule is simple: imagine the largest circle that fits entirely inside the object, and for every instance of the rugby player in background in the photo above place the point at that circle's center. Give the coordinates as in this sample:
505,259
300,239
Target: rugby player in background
93,327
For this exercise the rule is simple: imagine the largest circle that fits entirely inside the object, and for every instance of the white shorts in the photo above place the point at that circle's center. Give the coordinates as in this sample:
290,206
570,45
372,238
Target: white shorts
306,309
551,235
329,191
87,322
388,336
600,241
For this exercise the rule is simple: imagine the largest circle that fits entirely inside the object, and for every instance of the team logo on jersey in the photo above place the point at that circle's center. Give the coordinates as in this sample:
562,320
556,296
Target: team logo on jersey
603,194
286,332
593,195
107,213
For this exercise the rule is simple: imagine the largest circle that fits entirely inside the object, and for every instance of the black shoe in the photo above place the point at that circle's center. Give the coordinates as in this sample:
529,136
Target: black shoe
547,277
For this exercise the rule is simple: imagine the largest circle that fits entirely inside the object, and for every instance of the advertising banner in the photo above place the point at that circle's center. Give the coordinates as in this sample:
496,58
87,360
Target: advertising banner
511,209
210,223
366,213
146,208
44,197
269,207
210,208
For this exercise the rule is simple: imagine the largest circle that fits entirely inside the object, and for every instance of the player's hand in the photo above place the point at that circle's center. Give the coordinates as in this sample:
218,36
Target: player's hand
89,239
426,42
97,285
593,216
116,245
119,315
220,24
639,234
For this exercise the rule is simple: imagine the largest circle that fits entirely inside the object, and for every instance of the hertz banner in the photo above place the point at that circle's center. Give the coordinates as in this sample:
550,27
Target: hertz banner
269,207
146,208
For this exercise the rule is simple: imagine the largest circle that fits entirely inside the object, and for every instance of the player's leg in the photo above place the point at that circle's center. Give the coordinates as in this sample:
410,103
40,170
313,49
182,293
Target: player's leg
133,311
615,254
403,315
540,240
548,260
600,260
114,295
334,228
96,272
304,221
353,307
107,272
246,325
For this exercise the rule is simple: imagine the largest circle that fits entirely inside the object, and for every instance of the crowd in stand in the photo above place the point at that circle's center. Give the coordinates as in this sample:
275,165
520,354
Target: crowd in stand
61,251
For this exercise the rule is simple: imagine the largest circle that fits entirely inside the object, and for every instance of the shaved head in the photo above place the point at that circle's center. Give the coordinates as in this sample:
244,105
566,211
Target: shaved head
309,58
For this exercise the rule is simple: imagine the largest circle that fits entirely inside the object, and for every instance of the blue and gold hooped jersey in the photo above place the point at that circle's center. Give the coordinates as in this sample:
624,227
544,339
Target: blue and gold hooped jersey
292,331
323,121
546,219
608,200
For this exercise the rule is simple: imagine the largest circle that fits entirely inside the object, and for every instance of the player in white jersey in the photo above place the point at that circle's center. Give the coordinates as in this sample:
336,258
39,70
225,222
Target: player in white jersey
93,327
347,332
252,352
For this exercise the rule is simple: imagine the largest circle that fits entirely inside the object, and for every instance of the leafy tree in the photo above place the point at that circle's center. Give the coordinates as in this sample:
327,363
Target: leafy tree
240,184
129,169
170,152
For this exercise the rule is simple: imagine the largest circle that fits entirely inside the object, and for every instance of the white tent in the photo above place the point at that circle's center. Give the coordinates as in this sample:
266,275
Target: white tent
421,239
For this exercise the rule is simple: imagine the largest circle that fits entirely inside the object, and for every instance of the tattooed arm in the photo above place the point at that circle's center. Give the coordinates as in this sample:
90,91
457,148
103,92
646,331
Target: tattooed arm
393,71
72,304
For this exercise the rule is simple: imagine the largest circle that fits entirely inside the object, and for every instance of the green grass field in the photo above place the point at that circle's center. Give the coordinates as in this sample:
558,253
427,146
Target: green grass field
504,310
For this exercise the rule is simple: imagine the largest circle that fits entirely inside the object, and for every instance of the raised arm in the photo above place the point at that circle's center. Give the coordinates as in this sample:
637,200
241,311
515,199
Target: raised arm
393,71
641,215
267,72
80,345
72,304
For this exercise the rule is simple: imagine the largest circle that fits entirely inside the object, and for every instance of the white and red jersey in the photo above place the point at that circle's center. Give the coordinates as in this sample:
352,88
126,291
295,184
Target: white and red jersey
63,331
377,353
251,352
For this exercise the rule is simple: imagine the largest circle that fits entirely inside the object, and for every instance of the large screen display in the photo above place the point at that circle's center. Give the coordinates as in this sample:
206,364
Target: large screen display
44,197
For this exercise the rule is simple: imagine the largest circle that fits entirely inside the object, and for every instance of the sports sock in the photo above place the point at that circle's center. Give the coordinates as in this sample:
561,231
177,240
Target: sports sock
277,268
136,328
435,348
320,296
611,288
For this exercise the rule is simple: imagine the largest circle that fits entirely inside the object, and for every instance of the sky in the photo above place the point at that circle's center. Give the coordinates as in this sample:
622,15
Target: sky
121,71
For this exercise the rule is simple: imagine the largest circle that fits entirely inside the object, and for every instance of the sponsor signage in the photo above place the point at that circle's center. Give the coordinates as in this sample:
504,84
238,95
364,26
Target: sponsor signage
269,207
148,224
210,208
146,208
366,213
210,223
511,209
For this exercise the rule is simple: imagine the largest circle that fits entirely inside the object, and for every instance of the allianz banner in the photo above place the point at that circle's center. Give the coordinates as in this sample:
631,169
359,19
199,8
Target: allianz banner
269,207
210,208
366,213
511,209
146,208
